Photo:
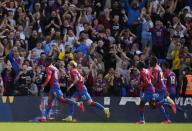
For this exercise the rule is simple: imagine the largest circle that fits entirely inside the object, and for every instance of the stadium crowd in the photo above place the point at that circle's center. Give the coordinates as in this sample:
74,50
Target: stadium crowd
107,38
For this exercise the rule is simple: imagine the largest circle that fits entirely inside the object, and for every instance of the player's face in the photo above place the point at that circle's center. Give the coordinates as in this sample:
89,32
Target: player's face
69,67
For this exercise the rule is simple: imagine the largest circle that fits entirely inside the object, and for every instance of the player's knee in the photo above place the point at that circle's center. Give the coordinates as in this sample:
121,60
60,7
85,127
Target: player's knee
62,100
91,103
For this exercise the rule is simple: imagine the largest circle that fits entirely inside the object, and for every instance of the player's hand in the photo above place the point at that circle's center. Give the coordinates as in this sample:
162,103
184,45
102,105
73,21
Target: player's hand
68,89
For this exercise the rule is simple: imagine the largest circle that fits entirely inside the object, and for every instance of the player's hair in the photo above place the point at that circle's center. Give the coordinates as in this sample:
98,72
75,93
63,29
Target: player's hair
49,60
153,61
73,63
166,64
140,65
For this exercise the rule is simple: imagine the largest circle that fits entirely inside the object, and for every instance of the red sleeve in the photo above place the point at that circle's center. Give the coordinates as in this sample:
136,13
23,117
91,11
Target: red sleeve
49,73
154,76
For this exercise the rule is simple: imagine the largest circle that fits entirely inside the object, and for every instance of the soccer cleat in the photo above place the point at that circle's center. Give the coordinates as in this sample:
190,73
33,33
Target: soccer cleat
107,112
166,122
141,122
68,119
174,109
81,106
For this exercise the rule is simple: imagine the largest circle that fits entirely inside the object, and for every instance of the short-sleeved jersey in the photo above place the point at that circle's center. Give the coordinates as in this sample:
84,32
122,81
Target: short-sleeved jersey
75,74
158,79
171,82
52,76
145,80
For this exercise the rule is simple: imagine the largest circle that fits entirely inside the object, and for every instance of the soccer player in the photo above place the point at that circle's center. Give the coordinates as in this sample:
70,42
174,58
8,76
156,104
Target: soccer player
147,90
81,91
160,88
55,91
171,84
170,80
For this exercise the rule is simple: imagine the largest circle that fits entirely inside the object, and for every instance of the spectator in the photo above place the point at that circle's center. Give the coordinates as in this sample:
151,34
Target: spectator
176,63
99,85
101,36
1,87
133,9
133,79
31,87
118,84
158,39
22,80
8,76
146,37
105,19
37,50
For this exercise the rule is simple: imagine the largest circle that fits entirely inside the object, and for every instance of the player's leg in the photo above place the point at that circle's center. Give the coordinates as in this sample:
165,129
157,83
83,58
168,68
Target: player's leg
49,105
85,96
63,100
45,113
144,98
71,107
164,99
160,98
165,114
172,104
179,108
141,112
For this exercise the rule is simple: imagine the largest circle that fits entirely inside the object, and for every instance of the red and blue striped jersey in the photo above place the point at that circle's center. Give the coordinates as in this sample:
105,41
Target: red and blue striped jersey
158,79
75,74
171,82
145,80
52,77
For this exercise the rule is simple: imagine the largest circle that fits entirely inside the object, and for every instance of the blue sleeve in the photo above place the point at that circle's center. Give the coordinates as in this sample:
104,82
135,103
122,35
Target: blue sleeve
13,62
46,49
142,4
126,4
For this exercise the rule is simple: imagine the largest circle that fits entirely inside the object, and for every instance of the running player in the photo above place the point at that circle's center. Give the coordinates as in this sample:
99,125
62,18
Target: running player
81,91
55,91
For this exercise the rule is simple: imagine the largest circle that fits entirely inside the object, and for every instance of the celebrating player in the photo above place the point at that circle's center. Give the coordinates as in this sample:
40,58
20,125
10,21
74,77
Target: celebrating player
147,90
55,91
171,84
160,88
81,93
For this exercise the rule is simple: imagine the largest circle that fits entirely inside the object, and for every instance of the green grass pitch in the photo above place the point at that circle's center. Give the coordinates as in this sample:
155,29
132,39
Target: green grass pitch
93,127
